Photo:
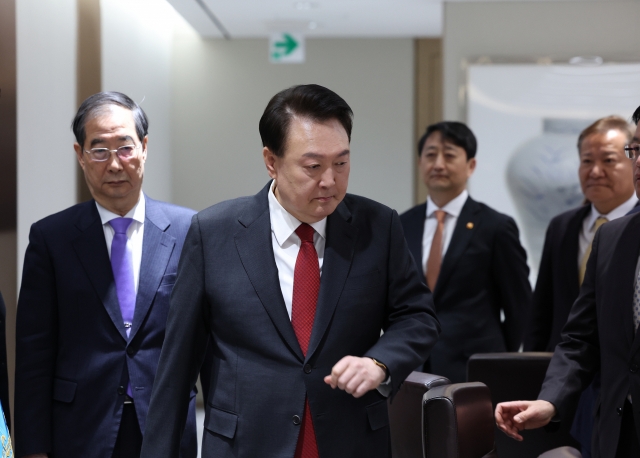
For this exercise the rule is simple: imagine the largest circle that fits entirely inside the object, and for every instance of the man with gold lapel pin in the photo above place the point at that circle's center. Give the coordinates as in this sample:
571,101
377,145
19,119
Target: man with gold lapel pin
469,254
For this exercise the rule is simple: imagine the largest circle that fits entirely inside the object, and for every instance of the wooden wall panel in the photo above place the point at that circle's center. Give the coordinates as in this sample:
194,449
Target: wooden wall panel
89,67
8,178
428,96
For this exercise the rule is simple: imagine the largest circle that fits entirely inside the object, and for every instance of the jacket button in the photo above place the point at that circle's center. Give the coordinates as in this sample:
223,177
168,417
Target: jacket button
619,410
634,368
296,420
121,390
307,368
130,351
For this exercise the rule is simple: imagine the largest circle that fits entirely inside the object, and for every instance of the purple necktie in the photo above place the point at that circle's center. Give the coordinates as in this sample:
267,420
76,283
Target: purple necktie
122,267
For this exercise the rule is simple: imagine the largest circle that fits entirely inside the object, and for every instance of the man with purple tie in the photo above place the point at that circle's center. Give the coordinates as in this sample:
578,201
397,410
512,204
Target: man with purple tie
94,300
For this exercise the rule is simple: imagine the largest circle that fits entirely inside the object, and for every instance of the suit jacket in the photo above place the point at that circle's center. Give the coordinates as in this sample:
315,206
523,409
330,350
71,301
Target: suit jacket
228,282
558,283
600,335
73,358
483,272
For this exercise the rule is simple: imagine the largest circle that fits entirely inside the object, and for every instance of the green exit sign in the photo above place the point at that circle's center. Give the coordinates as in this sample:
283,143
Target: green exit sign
286,48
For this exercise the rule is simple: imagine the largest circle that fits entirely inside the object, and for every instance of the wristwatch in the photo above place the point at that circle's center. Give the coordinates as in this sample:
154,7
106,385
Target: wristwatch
380,365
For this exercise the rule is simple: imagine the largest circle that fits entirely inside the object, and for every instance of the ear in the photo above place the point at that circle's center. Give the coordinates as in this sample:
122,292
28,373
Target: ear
143,154
79,154
471,164
270,160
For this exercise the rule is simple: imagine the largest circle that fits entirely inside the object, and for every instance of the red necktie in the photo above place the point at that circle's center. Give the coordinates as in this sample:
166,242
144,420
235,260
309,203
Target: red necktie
306,285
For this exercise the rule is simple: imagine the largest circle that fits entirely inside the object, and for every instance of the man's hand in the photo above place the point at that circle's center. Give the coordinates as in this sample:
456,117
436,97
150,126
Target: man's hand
355,375
513,417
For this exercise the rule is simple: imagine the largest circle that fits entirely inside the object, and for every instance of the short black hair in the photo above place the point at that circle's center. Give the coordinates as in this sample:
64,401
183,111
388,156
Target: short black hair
310,101
636,116
94,103
455,132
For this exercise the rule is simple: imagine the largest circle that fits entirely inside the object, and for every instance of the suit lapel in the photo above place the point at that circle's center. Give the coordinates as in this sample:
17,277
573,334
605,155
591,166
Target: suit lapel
253,242
623,280
461,237
91,248
157,246
338,254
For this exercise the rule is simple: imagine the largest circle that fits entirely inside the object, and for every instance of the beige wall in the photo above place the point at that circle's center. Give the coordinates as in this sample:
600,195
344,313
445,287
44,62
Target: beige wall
518,30
221,88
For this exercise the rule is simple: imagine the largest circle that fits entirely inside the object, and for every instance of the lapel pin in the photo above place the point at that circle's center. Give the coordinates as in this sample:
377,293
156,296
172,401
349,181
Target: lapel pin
469,225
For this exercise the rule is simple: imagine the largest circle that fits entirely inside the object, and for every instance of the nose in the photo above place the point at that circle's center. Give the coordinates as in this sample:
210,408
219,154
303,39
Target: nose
596,170
327,179
113,163
439,163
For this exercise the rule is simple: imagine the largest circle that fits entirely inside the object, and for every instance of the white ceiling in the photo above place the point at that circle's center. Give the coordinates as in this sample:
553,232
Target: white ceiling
314,18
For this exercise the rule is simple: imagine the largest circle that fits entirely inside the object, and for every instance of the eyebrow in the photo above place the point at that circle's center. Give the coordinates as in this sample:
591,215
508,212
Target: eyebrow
320,156
97,141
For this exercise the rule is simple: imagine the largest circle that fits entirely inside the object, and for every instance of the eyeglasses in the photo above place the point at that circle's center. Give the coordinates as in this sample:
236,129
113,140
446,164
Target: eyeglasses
632,150
125,153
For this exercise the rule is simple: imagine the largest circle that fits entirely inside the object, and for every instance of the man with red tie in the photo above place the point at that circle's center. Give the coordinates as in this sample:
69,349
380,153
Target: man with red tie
294,286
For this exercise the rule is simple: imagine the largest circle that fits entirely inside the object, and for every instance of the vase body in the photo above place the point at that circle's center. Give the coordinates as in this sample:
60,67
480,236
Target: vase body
542,176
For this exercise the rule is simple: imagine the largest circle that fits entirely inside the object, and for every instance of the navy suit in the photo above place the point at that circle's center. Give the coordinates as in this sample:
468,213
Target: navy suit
600,336
483,272
73,358
228,288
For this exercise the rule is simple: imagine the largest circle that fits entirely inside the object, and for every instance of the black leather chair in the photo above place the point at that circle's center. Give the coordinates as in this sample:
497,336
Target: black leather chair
405,414
512,377
458,422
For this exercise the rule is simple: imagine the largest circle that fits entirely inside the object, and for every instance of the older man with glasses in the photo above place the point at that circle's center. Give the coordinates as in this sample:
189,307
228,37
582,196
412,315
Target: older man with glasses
94,299
601,334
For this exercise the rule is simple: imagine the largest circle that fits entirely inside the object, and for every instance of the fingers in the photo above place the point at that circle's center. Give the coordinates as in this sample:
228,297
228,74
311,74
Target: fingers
355,375
511,418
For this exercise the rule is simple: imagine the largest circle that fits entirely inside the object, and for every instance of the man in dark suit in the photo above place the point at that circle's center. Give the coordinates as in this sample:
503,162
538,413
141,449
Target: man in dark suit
470,255
94,300
601,334
293,285
606,179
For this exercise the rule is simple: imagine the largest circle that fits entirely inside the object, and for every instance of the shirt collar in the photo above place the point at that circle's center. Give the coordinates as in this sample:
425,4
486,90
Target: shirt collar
453,208
283,224
617,212
136,213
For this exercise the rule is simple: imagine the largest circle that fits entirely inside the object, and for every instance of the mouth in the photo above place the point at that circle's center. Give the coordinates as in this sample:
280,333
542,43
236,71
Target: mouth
324,199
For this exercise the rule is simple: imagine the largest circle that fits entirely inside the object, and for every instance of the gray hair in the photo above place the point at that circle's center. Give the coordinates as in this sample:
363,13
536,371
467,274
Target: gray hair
94,104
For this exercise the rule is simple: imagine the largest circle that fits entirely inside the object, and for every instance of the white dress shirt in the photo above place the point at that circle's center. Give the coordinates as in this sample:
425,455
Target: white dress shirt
135,233
452,209
286,244
589,224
